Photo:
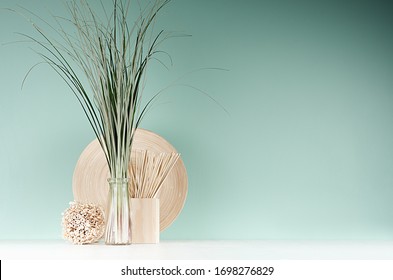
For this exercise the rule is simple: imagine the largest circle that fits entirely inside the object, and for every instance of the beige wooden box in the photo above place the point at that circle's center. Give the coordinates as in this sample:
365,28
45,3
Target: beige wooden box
145,220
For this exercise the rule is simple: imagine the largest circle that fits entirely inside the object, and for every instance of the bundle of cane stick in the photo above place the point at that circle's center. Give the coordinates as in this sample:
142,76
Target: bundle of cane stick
149,171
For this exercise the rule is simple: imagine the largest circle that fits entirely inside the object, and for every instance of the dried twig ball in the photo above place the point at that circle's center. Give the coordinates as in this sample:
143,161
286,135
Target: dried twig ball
83,223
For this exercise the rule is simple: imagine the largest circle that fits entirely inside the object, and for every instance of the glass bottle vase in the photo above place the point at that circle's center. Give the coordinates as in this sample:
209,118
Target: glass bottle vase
118,225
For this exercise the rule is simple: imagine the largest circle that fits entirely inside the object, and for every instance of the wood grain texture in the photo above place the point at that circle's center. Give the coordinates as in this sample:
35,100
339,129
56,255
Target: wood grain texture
90,184
145,220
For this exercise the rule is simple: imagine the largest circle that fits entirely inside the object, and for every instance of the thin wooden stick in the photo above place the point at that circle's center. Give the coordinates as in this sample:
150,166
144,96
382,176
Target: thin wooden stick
149,171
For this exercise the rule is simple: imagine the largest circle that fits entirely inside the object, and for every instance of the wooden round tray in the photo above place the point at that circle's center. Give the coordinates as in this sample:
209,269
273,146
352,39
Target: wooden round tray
90,185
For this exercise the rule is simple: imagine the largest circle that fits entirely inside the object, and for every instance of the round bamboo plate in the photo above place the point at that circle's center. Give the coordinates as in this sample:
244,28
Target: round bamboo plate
89,183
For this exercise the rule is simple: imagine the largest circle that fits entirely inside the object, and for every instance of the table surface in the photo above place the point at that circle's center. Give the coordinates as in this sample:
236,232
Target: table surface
202,249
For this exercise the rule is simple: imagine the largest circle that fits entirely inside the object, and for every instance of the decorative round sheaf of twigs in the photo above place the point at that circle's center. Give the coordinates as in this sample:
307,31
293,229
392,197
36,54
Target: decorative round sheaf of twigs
83,223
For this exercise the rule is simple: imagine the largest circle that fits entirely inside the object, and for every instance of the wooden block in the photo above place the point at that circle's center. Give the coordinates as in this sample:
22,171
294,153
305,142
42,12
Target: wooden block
145,220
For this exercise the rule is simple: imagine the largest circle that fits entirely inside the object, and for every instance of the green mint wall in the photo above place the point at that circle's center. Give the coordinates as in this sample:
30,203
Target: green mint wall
306,151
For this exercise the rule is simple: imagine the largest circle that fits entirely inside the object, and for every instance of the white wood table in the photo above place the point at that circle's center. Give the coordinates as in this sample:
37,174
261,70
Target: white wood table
202,250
